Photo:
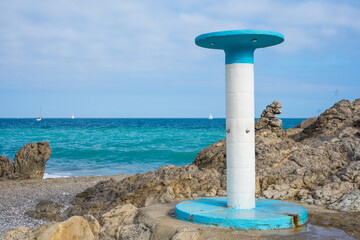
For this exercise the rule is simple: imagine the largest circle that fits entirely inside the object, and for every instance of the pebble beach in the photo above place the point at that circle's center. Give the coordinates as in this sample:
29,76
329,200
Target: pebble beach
19,196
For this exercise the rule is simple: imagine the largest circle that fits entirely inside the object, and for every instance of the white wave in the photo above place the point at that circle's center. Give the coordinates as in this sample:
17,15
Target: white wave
60,175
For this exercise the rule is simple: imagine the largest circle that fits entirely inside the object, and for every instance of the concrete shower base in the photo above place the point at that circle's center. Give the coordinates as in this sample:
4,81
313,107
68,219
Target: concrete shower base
268,214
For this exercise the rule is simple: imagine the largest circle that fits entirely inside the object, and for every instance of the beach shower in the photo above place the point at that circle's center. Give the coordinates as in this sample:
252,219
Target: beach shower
241,209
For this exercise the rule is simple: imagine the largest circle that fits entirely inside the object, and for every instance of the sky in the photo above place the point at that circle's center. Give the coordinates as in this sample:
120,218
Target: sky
133,59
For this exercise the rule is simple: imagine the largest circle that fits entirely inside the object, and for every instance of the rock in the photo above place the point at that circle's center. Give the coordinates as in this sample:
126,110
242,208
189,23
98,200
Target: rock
280,192
47,210
163,185
308,122
186,233
166,197
297,133
212,157
222,193
30,160
93,224
15,233
134,232
268,121
76,228
16,176
113,221
348,203
332,192
351,173
332,119
318,167
304,167
6,167
29,163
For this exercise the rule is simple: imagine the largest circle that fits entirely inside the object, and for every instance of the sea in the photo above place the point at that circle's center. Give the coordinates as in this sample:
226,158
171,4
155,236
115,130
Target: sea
91,147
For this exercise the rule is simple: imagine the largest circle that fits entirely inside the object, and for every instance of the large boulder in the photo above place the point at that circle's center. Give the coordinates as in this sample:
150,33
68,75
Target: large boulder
47,210
6,167
164,185
73,228
30,160
212,157
333,118
17,233
29,163
76,228
135,232
112,222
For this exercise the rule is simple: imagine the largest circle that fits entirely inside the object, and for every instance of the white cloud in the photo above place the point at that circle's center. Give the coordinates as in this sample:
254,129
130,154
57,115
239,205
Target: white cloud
128,37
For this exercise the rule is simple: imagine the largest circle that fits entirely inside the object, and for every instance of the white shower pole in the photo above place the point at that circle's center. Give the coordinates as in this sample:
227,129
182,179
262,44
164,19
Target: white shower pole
239,47
240,138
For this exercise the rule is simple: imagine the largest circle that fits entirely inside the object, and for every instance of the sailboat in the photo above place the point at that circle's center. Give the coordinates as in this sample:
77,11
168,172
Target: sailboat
39,118
211,116
72,117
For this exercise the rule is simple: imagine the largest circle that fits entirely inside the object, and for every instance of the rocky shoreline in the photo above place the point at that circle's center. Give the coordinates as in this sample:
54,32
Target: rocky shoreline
20,196
316,163
29,162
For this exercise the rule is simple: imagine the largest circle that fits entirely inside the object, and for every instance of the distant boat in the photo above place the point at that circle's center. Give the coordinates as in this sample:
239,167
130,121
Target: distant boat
211,116
72,117
39,118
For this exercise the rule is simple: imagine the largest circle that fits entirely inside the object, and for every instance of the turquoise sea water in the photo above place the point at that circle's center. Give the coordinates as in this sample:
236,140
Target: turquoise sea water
88,147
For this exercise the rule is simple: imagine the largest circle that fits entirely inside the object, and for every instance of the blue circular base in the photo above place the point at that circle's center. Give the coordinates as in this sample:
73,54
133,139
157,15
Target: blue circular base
268,214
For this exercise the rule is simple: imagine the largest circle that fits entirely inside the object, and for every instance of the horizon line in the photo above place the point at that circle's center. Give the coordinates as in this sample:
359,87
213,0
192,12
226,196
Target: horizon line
137,118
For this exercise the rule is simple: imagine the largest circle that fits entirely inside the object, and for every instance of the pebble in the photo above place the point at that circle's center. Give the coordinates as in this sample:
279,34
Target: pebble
19,196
